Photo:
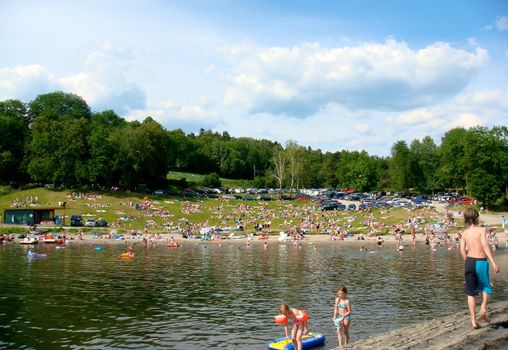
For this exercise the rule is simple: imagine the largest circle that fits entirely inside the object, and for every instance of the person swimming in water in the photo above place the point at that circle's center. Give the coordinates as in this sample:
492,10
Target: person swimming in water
130,253
342,315
475,251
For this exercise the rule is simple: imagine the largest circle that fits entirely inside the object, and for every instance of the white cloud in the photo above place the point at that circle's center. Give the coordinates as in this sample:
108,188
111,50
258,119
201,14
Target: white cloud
502,23
25,82
362,127
299,80
103,82
175,115
467,120
415,116
365,96
335,126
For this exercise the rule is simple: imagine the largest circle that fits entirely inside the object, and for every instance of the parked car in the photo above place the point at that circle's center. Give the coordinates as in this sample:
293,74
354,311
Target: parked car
90,223
189,194
102,223
249,198
265,198
333,206
351,207
467,201
76,220
363,206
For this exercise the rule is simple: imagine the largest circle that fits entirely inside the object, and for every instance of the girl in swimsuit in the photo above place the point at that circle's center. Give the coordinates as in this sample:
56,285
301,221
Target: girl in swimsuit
299,327
342,315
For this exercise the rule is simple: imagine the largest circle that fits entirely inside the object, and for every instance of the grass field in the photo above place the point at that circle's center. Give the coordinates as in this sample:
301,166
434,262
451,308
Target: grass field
198,179
111,206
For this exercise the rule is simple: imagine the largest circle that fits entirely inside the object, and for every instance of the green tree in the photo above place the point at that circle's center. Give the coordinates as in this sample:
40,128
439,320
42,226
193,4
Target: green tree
483,186
58,147
485,163
356,170
294,155
56,105
451,172
425,164
14,128
141,154
329,169
279,171
100,164
400,166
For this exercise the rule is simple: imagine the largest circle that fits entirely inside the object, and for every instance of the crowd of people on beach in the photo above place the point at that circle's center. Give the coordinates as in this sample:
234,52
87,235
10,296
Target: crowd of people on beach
27,201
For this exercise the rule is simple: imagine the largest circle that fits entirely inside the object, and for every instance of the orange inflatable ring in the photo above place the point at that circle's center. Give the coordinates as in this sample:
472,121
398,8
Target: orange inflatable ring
302,317
281,319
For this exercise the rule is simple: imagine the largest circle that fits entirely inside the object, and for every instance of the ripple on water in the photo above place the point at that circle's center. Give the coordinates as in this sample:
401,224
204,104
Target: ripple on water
215,297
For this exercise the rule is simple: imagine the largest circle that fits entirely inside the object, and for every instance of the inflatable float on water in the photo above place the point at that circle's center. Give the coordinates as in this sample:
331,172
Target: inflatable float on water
309,341
30,254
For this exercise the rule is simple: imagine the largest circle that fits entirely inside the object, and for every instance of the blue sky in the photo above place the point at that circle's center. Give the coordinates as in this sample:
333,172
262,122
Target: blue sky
328,74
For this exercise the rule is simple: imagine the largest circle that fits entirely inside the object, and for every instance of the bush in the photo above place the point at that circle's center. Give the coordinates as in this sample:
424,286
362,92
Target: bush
212,180
503,201
264,182
5,190
259,182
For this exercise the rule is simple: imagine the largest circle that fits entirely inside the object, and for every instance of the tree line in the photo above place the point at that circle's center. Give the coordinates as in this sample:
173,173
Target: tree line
57,139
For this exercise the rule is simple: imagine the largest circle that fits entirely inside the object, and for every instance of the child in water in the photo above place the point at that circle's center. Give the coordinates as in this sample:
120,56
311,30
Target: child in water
299,327
342,315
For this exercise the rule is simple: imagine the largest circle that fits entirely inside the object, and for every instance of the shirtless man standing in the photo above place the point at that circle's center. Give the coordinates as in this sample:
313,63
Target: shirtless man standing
475,251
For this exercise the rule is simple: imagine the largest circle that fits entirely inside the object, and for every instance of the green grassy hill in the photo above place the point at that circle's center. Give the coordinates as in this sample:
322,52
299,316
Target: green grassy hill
198,179
174,211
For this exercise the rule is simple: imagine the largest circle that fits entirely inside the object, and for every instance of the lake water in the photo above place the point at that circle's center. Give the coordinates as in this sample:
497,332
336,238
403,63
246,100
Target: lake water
203,296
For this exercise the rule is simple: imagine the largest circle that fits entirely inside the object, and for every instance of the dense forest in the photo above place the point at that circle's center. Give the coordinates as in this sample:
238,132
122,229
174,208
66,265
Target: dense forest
57,139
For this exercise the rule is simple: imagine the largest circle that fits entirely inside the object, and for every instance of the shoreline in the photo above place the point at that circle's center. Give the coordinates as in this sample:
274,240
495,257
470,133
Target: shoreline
312,238
448,332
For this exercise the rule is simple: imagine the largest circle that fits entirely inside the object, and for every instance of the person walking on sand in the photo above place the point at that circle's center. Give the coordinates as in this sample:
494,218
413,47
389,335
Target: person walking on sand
475,251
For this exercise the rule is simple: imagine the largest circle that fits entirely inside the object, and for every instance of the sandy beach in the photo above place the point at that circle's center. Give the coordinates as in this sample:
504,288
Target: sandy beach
240,237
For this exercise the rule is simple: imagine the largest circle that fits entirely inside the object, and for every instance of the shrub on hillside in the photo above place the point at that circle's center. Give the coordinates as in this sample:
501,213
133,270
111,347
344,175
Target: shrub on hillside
212,180
5,190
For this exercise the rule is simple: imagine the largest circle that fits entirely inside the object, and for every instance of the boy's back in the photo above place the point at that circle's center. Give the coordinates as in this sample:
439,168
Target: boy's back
474,238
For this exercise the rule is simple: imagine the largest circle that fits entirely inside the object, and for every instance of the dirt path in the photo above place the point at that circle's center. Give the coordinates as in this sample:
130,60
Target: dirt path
489,219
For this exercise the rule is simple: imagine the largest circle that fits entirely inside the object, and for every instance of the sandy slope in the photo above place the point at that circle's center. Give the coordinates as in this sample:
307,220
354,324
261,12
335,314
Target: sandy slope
449,332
